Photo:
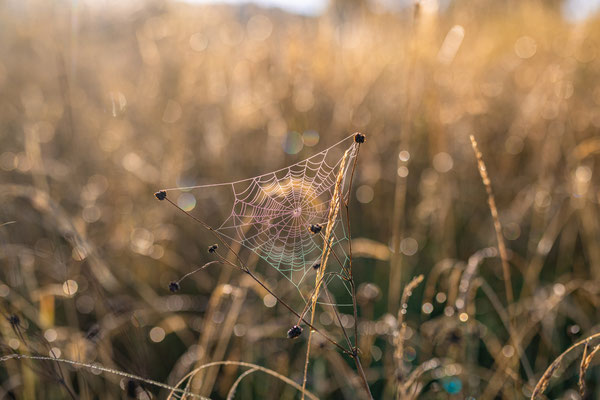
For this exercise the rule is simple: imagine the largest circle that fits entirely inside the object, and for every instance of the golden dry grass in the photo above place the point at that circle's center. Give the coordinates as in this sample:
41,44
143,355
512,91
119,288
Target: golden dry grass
103,104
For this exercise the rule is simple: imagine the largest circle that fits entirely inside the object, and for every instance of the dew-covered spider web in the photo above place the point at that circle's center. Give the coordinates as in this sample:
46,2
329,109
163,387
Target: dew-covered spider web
271,215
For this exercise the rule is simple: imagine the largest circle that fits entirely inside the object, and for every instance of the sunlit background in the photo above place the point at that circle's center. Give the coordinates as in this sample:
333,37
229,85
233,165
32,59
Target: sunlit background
104,102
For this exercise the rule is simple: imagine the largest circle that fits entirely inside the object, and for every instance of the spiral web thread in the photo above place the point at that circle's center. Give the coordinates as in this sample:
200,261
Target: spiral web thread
272,213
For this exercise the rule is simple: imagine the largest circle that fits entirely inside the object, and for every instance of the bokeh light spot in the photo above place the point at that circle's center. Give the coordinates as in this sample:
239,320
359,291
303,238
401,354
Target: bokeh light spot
55,352
50,335
269,300
442,162
427,308
70,287
198,41
79,253
402,172
525,47
259,28
583,173
452,385
410,353
157,334
186,201
310,138
508,351
376,353
409,246
85,304
293,143
365,194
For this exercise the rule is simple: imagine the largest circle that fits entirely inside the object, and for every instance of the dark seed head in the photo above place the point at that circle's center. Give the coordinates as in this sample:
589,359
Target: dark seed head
359,137
455,337
212,248
93,333
399,376
174,287
294,332
14,320
132,389
315,228
317,265
161,195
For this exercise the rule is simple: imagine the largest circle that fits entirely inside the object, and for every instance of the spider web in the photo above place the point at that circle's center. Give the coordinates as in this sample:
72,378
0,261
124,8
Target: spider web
272,213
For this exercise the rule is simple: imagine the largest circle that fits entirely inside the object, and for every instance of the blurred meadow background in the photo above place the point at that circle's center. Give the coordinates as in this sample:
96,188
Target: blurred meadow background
103,102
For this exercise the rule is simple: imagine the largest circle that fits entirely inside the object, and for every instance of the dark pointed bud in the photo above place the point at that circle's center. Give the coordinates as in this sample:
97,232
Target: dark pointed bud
315,228
161,195
359,137
174,287
294,332
14,320
317,265
212,248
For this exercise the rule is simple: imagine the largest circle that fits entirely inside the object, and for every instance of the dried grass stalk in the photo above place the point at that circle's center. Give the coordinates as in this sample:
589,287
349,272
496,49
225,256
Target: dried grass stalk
403,387
334,209
542,385
586,360
497,226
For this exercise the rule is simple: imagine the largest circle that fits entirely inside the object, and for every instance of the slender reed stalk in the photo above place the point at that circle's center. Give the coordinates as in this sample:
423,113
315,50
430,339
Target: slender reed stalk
173,389
497,226
512,331
97,367
409,72
334,208
277,375
403,387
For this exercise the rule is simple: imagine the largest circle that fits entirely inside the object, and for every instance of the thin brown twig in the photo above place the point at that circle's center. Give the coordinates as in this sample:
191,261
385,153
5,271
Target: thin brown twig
307,305
310,325
347,207
198,269
351,278
345,200
337,315
209,228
